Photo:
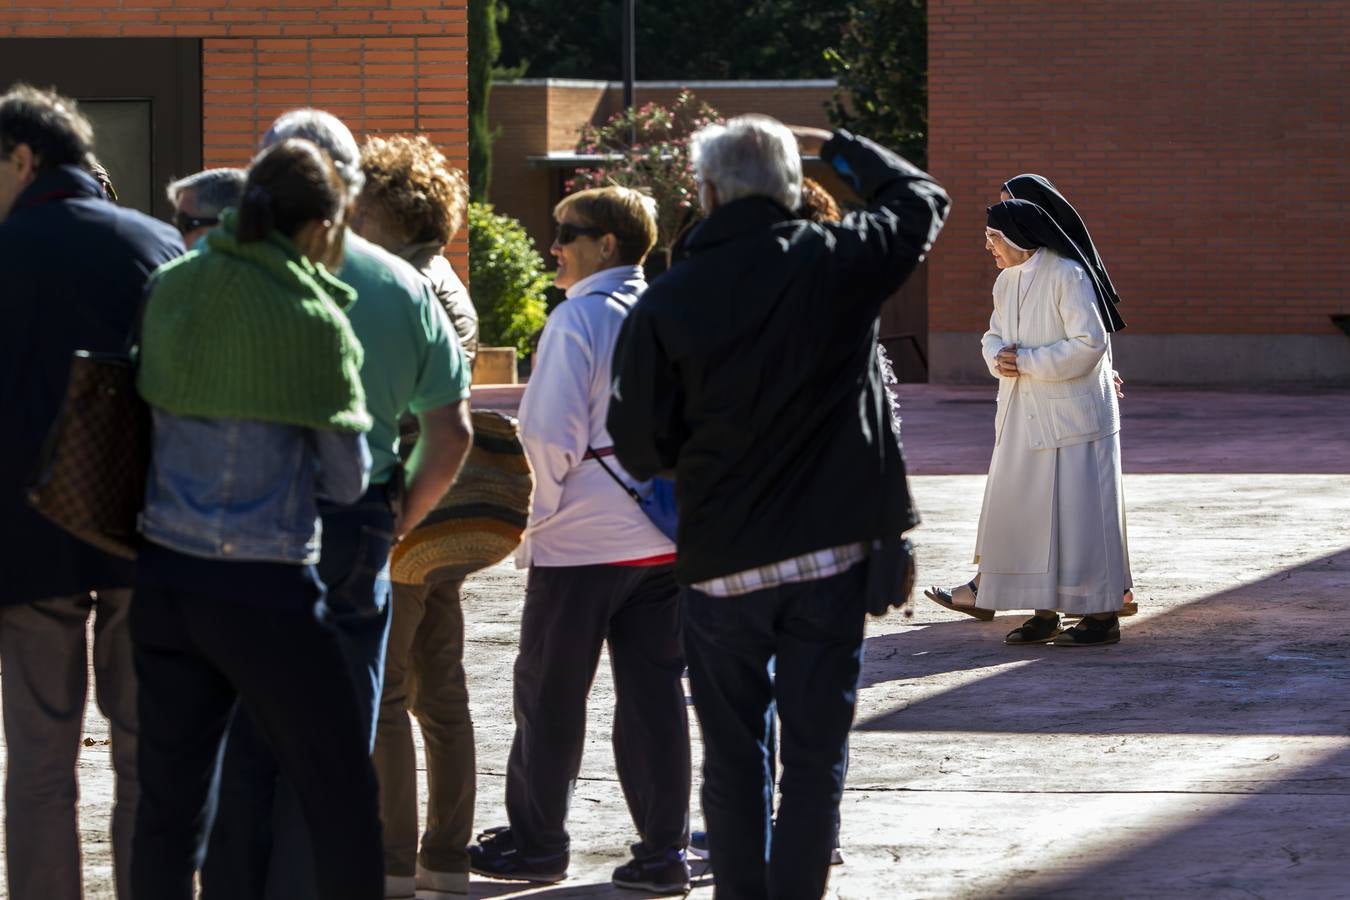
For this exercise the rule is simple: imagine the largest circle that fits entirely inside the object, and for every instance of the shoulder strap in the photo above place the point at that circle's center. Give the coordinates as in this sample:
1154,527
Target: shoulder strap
590,451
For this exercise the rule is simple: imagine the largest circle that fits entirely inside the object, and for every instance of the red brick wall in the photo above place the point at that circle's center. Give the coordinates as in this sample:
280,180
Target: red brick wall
1203,141
381,65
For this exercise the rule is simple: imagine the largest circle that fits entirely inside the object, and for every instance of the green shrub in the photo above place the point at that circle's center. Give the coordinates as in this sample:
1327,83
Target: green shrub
507,279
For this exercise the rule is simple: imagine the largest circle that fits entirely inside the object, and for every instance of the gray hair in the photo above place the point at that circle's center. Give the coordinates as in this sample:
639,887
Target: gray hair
215,189
749,156
327,131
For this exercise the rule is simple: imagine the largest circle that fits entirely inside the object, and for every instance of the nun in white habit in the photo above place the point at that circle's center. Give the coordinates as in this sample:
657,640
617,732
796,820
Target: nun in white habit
1052,528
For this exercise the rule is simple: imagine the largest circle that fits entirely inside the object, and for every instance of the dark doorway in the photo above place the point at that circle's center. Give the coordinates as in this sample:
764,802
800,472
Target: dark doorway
143,96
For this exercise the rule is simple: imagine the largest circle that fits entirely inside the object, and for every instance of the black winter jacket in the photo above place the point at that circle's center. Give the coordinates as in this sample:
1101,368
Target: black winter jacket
73,269
748,369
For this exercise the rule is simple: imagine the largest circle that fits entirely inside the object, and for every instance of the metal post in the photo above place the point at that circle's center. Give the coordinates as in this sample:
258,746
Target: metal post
629,58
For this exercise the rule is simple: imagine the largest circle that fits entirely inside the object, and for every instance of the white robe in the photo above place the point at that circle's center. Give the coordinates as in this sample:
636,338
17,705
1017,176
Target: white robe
1052,530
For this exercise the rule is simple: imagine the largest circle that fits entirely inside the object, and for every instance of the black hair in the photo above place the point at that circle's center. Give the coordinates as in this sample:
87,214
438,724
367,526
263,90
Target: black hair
51,125
289,184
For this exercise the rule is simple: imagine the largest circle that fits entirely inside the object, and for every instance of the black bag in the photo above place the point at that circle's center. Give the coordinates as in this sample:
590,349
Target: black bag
91,475
890,576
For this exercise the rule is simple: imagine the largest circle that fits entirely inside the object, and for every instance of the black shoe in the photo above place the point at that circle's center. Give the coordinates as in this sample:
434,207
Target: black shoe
496,856
1036,630
1091,632
665,873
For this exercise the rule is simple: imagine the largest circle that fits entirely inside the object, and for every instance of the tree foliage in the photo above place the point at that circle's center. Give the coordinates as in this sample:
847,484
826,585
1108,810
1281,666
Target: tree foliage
881,64
508,278
692,39
484,50
657,161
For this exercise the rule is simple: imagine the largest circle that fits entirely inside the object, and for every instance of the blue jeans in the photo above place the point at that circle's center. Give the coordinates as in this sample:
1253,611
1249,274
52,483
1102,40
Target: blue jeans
260,844
813,633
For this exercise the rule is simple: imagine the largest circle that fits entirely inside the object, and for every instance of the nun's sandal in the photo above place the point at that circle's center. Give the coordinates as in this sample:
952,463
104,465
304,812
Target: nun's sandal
1036,630
959,599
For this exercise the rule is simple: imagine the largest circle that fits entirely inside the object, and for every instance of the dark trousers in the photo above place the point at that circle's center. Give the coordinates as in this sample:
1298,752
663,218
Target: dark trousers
198,657
813,632
260,845
569,613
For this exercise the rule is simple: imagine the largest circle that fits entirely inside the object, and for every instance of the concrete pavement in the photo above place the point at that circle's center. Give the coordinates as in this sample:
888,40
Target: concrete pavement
1208,754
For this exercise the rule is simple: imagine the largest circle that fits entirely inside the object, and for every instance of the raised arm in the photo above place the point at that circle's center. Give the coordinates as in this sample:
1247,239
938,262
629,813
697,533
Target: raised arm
881,245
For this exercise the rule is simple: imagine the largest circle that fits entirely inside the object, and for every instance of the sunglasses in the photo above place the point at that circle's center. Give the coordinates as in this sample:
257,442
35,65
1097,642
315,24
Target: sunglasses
185,223
567,233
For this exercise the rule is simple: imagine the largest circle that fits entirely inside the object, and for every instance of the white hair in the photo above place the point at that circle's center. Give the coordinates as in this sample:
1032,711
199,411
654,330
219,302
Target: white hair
214,189
327,131
749,156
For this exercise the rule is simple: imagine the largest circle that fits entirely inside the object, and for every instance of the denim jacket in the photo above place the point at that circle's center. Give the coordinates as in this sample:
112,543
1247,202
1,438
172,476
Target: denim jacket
247,490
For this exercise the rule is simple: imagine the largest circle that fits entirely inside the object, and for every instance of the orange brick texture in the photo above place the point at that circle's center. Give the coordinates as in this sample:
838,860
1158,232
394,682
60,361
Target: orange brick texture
1203,141
383,66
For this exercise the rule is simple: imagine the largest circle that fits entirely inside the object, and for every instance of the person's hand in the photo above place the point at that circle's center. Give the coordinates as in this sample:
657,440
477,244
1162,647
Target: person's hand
1006,361
1120,384
810,140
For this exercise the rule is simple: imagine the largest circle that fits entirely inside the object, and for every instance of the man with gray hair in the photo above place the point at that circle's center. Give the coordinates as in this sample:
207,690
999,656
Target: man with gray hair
198,200
748,369
412,364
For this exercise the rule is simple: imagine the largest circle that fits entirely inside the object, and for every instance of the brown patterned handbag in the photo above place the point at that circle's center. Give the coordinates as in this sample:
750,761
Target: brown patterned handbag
91,475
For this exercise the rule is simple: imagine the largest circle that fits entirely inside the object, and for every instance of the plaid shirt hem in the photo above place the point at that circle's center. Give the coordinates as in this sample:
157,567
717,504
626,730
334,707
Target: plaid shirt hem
813,566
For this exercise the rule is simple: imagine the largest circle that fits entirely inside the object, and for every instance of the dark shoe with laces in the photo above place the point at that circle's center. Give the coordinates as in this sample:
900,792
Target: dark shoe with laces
665,873
1090,632
496,856
1036,630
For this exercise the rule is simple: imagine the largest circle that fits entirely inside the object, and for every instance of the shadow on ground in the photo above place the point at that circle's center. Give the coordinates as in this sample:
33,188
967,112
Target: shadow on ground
1282,666
478,888
1230,715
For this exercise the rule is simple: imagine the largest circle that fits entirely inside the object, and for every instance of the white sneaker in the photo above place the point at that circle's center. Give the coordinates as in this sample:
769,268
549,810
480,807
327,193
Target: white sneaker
399,887
836,857
442,882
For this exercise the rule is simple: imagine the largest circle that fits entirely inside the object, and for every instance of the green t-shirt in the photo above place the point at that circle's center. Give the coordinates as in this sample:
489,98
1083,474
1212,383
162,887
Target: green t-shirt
412,359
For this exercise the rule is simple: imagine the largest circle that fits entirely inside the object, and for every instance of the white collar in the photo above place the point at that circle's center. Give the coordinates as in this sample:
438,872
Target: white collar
607,281
1030,265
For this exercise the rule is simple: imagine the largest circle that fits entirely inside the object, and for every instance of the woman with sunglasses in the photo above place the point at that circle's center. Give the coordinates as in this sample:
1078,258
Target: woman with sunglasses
600,573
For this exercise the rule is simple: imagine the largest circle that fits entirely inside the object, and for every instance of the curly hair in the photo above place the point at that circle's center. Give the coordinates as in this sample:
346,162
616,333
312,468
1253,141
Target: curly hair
817,204
414,186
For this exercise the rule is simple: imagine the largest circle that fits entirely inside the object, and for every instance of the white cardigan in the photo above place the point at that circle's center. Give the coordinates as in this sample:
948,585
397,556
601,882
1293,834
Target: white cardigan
580,517
1063,355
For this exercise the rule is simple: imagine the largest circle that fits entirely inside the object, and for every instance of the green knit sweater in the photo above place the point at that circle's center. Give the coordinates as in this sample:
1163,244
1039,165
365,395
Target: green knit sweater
252,331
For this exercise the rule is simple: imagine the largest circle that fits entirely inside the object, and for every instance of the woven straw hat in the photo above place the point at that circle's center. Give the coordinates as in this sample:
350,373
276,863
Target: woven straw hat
480,520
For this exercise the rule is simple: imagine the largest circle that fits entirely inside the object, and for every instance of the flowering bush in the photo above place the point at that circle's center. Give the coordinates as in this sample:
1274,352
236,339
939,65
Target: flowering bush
650,146
506,278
